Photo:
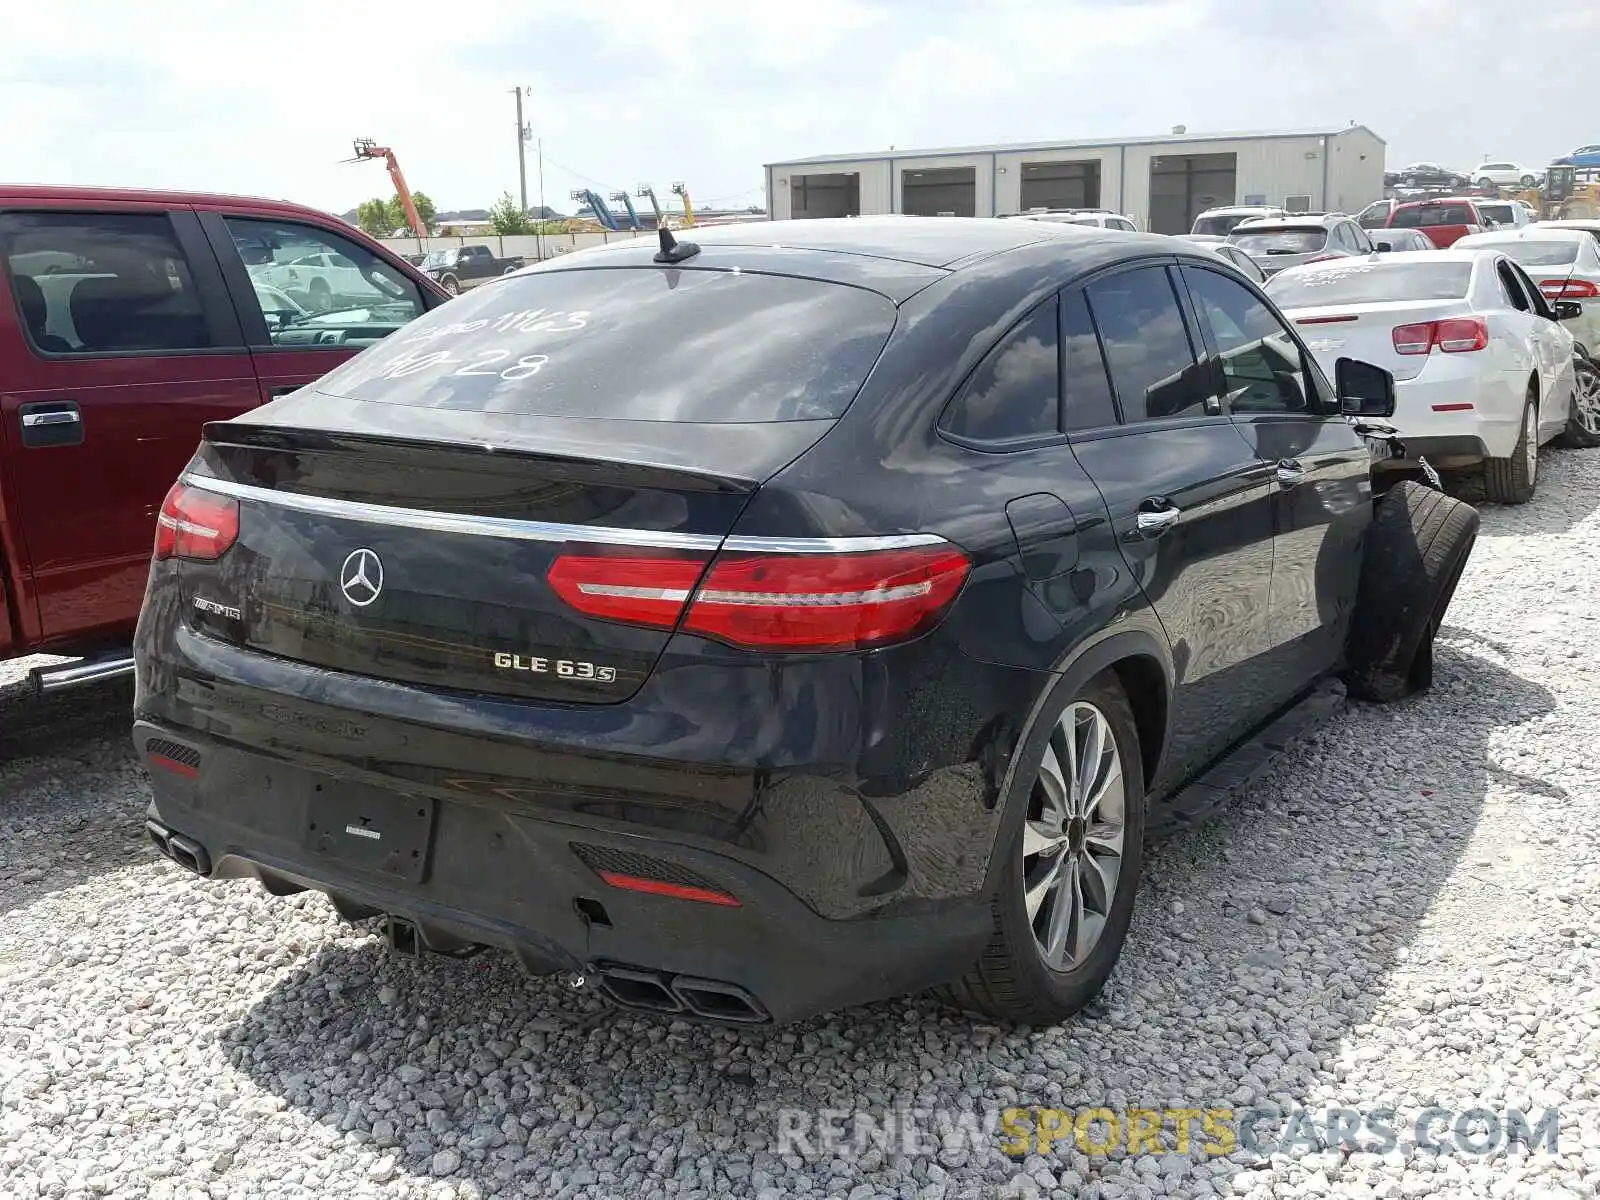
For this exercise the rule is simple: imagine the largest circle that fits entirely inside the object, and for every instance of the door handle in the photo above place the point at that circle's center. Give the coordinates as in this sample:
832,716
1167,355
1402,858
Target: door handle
1153,522
50,423
32,420
1290,472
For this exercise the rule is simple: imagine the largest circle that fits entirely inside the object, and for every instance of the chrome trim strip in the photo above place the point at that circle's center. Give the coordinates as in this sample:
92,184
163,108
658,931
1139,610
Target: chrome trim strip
437,522
844,545
551,531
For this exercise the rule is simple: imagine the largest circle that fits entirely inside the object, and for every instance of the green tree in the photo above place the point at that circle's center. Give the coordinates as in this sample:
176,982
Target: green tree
425,209
506,218
375,217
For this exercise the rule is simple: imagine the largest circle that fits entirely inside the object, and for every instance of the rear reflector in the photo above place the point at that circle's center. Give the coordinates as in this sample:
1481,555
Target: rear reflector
1452,407
678,891
1568,289
196,524
184,769
843,601
1457,335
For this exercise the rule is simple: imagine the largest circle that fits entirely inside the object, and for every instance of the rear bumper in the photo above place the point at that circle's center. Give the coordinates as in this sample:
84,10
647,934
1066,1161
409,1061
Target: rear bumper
1432,425
857,841
537,888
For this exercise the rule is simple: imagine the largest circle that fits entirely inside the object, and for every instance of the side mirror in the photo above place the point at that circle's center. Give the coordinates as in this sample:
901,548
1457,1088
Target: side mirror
1568,310
1383,247
1364,390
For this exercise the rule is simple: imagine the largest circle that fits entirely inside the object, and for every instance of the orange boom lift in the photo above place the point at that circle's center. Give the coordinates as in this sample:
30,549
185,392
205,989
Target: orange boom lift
367,148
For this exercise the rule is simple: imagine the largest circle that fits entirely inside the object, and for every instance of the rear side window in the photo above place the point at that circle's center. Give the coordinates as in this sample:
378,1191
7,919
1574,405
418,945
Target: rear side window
1146,345
1015,391
1085,391
635,344
87,283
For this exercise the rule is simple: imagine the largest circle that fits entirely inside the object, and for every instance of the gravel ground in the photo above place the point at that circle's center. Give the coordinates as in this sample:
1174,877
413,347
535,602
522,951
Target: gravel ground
1404,913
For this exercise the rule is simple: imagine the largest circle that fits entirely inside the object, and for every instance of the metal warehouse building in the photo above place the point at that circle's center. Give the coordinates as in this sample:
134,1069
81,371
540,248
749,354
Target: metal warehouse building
1160,182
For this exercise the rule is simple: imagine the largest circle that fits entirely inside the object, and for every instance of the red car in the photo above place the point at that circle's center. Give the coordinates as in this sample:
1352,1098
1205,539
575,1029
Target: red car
1444,221
129,319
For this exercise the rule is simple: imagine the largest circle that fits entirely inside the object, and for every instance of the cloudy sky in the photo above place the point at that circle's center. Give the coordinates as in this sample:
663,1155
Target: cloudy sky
265,97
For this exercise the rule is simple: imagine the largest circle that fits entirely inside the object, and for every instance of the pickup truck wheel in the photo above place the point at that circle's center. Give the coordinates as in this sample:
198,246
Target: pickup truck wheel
451,284
1071,867
1512,480
1583,425
1417,547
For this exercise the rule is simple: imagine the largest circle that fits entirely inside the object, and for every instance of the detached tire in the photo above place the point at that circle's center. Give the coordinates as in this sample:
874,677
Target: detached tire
1417,547
1078,806
1512,480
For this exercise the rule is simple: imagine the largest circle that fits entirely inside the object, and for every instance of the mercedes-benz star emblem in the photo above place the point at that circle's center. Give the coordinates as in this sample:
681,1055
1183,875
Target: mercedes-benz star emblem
361,577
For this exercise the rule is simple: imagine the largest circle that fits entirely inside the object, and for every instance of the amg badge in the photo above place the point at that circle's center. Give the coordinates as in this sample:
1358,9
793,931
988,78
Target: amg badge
222,610
565,668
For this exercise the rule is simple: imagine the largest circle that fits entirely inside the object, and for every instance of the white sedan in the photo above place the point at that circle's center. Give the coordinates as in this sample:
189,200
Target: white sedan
1484,372
1565,263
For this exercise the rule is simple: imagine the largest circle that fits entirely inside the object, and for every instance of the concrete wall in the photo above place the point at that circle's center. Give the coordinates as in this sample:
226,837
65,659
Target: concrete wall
529,246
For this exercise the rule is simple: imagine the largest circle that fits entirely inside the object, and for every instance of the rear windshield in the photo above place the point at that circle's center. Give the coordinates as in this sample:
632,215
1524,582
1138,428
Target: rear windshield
1280,241
1221,226
1433,214
1367,282
1536,254
636,344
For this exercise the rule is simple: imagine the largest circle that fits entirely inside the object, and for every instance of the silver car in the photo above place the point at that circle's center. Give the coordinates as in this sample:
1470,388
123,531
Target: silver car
1290,241
1400,241
1221,248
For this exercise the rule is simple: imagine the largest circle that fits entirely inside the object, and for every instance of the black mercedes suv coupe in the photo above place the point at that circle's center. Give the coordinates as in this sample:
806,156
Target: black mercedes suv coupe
812,613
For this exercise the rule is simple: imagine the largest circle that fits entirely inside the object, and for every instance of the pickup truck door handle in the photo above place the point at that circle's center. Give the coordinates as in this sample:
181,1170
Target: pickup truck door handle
1290,472
51,423
1156,516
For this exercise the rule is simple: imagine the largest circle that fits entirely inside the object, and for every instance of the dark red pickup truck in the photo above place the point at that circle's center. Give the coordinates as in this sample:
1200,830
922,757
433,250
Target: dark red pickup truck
128,319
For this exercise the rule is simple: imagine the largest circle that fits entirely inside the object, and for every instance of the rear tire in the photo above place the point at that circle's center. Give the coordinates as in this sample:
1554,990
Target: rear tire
1417,547
1512,480
1528,181
1583,423
1015,980
1486,182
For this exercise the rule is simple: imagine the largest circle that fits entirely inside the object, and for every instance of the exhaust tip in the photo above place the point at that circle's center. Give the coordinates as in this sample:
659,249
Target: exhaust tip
639,989
716,1001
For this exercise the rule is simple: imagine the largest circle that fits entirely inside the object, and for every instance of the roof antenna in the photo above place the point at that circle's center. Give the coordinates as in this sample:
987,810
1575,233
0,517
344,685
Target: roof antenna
672,250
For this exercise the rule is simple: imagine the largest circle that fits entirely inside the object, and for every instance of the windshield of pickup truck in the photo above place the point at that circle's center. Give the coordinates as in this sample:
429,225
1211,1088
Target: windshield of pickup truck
438,258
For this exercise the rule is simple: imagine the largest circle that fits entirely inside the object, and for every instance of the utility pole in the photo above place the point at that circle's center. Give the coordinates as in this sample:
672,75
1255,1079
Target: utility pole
522,152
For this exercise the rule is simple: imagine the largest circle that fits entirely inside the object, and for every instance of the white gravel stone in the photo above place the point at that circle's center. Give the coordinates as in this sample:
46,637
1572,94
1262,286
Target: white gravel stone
1401,913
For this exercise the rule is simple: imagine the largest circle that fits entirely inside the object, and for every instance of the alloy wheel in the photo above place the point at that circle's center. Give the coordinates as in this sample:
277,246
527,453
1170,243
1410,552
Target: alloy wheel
1072,842
1586,401
1530,436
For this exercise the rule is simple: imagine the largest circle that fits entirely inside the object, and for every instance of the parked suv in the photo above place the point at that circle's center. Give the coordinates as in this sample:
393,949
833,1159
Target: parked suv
1279,242
1220,222
128,319
817,613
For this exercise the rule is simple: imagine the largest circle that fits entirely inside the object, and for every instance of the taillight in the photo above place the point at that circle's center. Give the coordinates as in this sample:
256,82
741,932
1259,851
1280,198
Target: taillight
196,524
1459,335
1455,335
839,601
1413,339
1568,289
